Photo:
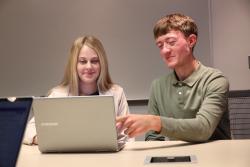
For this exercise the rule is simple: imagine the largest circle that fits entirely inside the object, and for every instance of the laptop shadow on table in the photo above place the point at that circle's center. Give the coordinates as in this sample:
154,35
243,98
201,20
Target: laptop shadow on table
80,152
167,146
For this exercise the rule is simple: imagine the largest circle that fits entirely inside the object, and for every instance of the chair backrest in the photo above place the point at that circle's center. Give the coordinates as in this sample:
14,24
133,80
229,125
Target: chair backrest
239,113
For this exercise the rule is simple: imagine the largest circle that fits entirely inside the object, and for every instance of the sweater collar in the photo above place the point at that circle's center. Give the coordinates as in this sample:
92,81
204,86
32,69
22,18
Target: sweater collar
192,79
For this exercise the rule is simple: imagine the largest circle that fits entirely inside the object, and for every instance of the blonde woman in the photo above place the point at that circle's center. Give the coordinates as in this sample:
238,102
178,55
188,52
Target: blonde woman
86,74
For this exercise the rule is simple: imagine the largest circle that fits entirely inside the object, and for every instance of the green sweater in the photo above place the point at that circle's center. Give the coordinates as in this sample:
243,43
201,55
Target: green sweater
192,110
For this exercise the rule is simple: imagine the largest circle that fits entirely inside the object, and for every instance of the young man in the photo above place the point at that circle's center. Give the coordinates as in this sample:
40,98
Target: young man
188,104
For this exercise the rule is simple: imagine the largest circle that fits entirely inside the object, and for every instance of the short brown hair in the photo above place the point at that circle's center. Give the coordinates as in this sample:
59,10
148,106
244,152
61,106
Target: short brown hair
176,21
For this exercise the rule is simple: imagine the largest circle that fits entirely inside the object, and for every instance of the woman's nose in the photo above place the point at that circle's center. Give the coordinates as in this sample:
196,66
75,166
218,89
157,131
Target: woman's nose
88,65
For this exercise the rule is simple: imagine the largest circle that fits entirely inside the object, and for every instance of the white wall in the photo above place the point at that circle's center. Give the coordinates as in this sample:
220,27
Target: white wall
231,40
36,36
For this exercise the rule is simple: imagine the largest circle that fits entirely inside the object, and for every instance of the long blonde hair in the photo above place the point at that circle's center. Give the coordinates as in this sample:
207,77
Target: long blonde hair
71,78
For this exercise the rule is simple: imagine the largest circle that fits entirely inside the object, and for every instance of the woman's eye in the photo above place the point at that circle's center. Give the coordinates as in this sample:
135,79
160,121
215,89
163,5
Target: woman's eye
82,61
94,61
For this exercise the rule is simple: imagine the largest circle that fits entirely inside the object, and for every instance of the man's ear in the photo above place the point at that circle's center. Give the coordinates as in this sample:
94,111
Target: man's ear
192,40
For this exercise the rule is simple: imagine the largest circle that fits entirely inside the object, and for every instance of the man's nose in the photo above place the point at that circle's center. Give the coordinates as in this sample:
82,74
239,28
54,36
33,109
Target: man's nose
165,48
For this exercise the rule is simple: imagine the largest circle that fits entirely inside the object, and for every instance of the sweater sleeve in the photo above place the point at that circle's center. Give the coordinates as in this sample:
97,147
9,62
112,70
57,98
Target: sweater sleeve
201,127
122,110
30,132
153,110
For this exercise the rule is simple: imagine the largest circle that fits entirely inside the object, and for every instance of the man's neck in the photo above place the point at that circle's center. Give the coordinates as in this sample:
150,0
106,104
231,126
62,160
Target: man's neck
185,71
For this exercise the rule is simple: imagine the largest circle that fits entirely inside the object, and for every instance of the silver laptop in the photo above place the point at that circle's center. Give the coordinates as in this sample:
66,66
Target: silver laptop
76,124
14,114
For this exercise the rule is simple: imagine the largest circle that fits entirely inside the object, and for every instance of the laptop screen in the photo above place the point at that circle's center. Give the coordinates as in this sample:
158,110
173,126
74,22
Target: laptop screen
13,120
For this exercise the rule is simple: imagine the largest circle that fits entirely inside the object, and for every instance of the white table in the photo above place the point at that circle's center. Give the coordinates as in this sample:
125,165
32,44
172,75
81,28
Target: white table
221,153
